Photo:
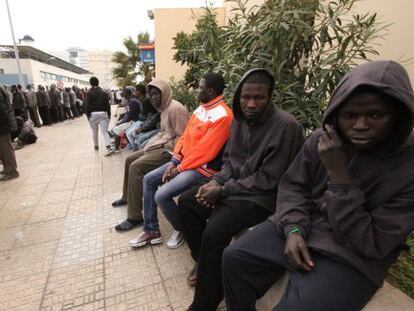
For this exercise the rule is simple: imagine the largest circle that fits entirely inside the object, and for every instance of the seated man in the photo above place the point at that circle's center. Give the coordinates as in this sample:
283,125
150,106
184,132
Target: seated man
195,159
27,133
263,142
147,111
174,119
131,116
344,207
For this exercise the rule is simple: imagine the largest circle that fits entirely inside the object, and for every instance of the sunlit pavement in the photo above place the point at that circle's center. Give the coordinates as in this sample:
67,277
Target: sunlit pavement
58,246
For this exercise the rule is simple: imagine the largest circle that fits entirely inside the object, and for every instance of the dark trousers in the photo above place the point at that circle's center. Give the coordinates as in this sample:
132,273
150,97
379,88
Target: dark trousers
45,115
34,116
68,115
54,114
207,240
256,261
62,113
7,154
75,113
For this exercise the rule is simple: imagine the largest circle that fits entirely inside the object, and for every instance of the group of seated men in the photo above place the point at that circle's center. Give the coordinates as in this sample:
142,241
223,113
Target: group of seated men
334,210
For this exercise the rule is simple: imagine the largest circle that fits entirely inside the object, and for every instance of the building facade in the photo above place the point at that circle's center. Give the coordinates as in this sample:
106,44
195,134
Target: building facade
39,68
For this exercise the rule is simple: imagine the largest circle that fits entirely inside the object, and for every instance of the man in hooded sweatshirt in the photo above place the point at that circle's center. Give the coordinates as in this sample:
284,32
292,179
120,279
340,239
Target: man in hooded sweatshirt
344,207
263,142
174,118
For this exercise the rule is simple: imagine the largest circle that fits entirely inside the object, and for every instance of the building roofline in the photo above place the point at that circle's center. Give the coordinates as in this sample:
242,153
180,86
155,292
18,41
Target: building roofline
29,52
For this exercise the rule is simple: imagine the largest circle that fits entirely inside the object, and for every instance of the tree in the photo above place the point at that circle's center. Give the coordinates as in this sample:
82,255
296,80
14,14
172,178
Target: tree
129,63
307,44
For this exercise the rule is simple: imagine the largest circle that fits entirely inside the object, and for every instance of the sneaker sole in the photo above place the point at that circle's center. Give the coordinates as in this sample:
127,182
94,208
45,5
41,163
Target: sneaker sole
152,242
176,245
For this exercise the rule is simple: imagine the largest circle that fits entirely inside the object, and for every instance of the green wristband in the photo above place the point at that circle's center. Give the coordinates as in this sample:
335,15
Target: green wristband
293,230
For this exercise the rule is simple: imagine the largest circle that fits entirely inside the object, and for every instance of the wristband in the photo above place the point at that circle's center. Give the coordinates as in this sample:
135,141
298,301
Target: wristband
293,230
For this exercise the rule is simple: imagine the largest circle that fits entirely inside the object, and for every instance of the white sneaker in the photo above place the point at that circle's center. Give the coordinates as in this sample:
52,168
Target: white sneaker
176,240
109,152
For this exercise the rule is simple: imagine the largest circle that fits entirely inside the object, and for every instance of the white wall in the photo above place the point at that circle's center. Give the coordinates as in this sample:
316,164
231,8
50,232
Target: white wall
33,70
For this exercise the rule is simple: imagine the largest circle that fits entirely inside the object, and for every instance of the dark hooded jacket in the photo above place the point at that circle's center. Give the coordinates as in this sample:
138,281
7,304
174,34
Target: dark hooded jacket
258,153
363,223
7,118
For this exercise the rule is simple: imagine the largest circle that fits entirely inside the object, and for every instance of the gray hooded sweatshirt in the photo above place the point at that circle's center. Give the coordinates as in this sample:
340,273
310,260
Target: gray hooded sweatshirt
174,119
364,223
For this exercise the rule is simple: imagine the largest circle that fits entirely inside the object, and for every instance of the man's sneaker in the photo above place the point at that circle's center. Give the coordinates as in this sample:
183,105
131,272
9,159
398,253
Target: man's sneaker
116,151
176,240
108,152
119,202
146,237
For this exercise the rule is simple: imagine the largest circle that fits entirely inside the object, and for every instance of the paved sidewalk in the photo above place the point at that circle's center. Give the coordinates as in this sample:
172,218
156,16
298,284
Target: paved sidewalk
58,246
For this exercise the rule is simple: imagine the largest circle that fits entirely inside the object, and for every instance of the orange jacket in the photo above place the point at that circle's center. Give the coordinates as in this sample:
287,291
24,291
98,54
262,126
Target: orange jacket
204,137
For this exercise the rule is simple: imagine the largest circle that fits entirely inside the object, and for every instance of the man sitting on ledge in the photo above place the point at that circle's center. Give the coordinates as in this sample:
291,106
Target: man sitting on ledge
344,207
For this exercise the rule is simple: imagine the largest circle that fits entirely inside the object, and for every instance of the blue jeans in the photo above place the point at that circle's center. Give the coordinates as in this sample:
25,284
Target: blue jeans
143,138
130,133
164,196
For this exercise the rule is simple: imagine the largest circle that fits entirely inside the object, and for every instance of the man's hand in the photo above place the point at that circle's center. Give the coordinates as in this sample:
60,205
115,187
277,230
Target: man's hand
167,174
333,156
297,252
174,172
209,194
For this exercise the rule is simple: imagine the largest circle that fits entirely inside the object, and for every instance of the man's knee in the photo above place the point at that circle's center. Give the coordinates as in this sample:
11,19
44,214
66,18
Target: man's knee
231,258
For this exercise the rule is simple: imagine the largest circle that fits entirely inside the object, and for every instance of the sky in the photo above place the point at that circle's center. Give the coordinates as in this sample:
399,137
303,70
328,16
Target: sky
89,24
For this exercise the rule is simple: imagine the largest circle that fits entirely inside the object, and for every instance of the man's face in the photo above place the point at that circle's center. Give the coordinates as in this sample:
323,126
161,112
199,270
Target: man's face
155,97
366,120
202,92
253,99
138,94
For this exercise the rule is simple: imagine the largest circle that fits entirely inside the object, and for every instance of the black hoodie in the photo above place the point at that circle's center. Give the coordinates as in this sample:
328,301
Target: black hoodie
258,153
363,223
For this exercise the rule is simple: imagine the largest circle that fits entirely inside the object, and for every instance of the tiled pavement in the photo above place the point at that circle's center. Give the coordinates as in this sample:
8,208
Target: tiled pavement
58,246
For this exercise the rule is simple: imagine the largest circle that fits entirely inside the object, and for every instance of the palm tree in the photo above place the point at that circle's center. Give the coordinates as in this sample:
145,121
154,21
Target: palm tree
129,63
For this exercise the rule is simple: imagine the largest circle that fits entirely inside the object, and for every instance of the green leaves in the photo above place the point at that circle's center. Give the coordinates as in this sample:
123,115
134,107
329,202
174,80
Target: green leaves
308,44
129,63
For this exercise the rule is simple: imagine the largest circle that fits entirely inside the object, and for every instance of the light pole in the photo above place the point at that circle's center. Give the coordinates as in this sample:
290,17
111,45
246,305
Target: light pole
26,38
16,52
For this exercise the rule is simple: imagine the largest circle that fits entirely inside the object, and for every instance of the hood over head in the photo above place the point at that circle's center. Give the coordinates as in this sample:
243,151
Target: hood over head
238,113
165,89
387,77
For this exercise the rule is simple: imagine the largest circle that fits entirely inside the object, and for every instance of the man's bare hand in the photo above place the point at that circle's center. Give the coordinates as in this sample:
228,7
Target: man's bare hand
297,252
209,194
333,156
167,174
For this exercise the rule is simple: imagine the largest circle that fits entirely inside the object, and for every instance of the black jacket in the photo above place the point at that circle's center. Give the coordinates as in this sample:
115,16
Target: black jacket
7,118
97,100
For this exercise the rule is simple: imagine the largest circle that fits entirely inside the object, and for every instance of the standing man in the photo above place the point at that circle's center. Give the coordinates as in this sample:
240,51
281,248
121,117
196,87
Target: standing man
197,157
344,207
54,97
263,142
7,125
98,112
32,105
174,118
43,102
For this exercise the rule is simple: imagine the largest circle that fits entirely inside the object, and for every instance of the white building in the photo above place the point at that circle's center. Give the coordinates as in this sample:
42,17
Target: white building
39,68
98,62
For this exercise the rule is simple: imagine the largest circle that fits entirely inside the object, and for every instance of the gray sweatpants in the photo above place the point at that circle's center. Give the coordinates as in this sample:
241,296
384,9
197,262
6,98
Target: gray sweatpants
100,118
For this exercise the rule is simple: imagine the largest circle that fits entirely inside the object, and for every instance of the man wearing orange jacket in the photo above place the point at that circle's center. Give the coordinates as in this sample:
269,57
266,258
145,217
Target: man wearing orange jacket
197,156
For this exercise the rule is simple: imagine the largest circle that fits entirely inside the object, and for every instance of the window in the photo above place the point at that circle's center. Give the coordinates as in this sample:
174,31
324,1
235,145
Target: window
1,71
